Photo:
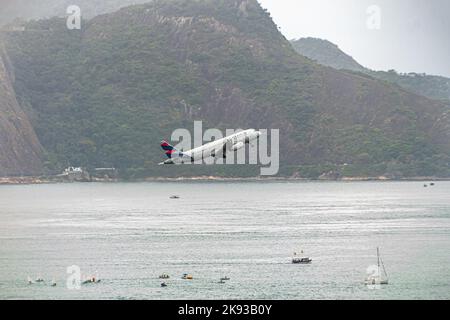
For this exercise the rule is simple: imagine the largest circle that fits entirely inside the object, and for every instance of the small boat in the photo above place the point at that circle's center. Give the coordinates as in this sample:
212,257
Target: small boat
380,277
187,277
175,197
225,279
164,276
53,283
301,260
91,280
221,282
163,285
425,186
30,281
39,280
296,259
432,184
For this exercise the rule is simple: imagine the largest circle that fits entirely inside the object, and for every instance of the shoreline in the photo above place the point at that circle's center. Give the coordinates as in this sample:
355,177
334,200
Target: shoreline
50,180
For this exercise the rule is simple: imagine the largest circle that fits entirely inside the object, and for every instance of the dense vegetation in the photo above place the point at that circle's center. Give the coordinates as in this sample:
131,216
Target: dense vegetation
107,94
434,87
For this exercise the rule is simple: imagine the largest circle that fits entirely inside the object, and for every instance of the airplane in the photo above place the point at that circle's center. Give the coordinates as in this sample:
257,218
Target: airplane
214,149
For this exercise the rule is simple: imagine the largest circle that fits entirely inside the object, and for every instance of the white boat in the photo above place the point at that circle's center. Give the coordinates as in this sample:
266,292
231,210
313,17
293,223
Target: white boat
296,259
380,277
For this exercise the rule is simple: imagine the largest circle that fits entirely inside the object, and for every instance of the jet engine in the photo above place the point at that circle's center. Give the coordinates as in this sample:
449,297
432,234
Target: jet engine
237,146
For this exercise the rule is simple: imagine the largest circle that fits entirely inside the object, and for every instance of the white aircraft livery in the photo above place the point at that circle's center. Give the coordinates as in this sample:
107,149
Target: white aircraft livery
214,149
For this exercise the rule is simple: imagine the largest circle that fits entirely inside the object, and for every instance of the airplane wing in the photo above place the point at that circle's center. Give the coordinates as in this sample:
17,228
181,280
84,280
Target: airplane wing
229,146
222,151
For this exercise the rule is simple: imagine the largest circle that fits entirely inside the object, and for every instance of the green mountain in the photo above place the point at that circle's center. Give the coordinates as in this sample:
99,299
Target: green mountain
328,54
107,94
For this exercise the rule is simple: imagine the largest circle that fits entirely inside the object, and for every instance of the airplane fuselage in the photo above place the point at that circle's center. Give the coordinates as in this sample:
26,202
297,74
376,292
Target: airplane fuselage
215,149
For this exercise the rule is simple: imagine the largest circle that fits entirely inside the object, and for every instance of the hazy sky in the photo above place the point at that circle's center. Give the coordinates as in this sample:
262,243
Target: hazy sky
413,35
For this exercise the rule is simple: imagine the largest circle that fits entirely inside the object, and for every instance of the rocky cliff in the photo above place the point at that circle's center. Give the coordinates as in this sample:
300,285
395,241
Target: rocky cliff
20,150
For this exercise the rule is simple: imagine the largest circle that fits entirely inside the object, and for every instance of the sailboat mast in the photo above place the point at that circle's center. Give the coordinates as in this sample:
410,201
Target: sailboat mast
378,256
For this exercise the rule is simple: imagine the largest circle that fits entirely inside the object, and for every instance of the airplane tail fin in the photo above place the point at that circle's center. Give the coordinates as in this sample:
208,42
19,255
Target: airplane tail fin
168,148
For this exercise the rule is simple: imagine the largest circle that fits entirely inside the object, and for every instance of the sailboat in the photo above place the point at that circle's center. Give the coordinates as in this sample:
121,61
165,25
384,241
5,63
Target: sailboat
381,276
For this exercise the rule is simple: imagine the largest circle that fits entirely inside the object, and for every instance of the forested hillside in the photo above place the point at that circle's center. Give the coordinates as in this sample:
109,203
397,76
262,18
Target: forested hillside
107,94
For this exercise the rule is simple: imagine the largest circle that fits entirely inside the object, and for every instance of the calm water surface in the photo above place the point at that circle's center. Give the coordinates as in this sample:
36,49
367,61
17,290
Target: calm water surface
131,233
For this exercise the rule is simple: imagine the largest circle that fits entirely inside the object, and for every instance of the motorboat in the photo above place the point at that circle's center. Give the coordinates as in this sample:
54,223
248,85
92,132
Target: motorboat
91,280
300,259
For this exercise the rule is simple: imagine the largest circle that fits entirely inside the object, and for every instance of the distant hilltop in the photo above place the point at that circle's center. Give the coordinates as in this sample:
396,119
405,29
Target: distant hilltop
329,54
326,53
